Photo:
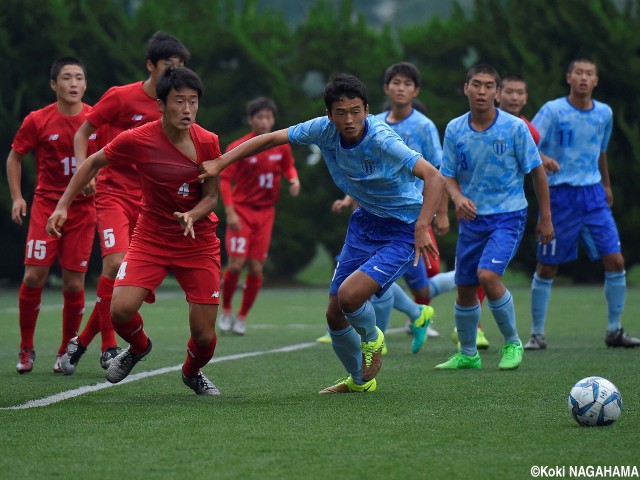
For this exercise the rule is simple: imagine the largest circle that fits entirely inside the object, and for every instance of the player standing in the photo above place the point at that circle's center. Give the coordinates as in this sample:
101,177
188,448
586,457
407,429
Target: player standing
486,155
176,230
117,188
369,162
250,189
575,132
49,133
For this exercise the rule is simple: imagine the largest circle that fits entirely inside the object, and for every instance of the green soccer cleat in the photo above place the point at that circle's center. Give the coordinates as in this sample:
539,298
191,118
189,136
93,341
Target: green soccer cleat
419,327
481,341
372,357
326,338
510,356
460,361
384,350
347,385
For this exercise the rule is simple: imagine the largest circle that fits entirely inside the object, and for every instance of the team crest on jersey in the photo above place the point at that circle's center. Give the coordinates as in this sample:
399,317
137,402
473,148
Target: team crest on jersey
499,146
368,166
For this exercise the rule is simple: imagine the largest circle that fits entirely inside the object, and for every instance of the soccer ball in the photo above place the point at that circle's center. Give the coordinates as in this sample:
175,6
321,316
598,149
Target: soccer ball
595,402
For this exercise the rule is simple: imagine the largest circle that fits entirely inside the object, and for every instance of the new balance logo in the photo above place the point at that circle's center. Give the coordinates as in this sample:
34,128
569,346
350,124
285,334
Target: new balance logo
84,263
137,117
215,294
53,137
93,136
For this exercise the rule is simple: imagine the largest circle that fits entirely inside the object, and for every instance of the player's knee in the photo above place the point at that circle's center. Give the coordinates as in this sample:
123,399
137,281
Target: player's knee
34,279
613,263
548,272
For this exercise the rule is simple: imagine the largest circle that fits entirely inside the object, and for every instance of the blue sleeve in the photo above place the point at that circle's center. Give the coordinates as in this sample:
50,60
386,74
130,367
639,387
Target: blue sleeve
308,132
607,131
544,122
449,166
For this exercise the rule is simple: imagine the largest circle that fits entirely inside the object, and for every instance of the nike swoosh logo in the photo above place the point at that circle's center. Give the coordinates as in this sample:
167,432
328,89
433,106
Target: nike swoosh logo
493,260
375,267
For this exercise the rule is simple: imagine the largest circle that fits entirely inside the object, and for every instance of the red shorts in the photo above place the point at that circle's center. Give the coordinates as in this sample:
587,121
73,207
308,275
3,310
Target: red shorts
117,217
254,238
73,249
435,261
194,262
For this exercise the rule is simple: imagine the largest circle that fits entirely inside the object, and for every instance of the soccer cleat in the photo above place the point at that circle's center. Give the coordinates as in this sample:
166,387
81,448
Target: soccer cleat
536,342
481,341
460,361
326,338
70,358
56,366
347,385
201,385
419,327
239,326
107,357
372,357
432,332
618,338
122,365
225,322
26,357
510,356
384,350
407,328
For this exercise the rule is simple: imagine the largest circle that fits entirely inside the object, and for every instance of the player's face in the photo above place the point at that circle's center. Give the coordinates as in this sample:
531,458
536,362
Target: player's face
513,96
583,78
482,91
181,108
262,121
401,90
70,84
348,115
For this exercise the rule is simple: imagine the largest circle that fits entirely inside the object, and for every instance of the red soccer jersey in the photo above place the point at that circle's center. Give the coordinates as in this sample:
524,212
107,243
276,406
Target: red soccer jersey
168,178
534,131
122,108
50,134
256,179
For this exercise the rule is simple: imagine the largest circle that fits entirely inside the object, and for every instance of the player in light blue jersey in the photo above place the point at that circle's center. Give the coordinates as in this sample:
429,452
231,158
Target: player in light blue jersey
486,155
389,231
575,132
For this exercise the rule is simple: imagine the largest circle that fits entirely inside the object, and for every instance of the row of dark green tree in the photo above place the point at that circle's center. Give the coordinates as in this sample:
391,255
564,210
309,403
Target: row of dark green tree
242,51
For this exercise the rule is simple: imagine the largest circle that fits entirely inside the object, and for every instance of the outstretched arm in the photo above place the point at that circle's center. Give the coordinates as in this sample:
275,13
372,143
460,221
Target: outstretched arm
212,168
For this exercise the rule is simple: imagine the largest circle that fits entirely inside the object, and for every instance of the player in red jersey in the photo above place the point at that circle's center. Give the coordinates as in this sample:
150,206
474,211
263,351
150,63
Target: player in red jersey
513,97
49,133
250,190
118,188
176,230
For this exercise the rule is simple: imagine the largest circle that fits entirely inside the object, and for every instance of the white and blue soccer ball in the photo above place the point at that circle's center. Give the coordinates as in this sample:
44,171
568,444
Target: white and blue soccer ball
595,402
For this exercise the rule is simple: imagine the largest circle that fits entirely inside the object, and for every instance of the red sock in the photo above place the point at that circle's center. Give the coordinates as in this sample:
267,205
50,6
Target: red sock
91,328
72,312
229,285
29,307
198,356
422,301
104,293
481,294
132,332
251,288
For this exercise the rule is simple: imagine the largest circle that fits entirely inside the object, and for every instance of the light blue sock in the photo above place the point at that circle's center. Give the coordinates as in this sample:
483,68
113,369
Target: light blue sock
467,320
442,283
615,291
364,321
403,303
540,295
383,306
346,344
505,316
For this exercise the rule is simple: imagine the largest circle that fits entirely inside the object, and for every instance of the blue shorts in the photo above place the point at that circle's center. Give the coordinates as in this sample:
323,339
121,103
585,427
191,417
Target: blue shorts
416,277
580,215
489,242
382,248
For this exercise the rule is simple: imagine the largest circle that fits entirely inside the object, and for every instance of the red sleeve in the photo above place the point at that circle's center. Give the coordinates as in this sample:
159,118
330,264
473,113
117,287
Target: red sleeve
121,149
226,179
26,139
103,111
288,168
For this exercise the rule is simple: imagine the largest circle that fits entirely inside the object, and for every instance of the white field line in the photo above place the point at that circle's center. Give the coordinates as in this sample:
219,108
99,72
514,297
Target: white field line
76,392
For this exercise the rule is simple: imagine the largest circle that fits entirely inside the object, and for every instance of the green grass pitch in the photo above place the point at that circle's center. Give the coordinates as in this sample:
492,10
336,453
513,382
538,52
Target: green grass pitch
270,423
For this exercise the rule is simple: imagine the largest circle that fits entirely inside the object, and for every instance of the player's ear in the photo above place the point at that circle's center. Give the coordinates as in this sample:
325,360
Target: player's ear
160,104
53,85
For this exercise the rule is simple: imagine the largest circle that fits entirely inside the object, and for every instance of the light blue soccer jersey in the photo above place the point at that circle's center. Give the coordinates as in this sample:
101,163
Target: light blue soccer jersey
490,166
574,138
376,172
421,135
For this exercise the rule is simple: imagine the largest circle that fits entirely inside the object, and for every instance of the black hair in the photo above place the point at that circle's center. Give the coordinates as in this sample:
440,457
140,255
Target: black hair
483,68
163,46
177,78
62,62
342,86
261,103
572,63
512,77
407,69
